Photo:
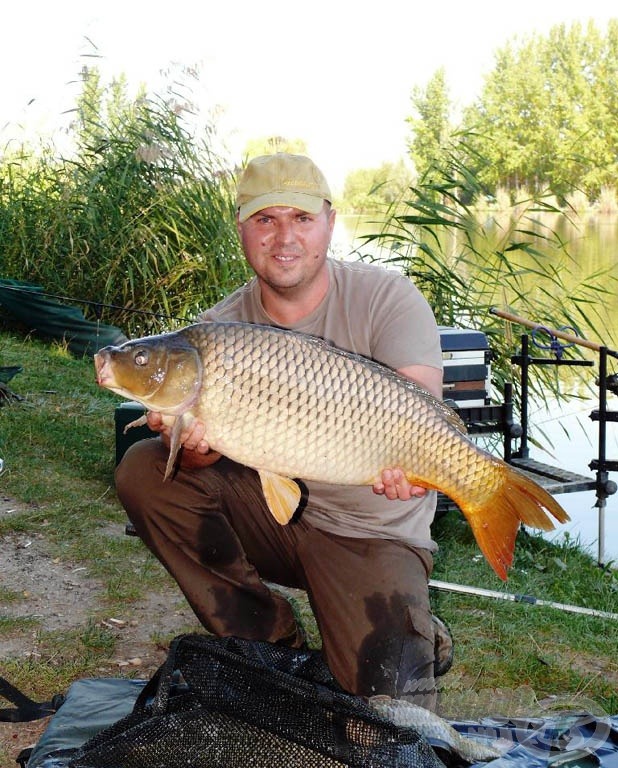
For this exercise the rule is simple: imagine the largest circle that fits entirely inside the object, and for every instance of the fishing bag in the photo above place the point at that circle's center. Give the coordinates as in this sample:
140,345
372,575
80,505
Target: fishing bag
241,704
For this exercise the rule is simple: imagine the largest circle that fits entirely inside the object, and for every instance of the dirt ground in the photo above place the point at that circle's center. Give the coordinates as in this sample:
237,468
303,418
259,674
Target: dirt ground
61,595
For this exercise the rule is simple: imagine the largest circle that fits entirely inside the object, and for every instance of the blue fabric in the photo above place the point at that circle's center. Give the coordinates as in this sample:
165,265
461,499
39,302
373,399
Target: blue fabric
575,741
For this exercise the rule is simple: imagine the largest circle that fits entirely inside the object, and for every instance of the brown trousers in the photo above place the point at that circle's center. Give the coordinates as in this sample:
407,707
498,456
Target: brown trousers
212,531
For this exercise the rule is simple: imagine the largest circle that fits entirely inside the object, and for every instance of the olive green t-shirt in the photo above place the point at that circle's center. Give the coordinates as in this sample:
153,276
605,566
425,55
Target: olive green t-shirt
380,314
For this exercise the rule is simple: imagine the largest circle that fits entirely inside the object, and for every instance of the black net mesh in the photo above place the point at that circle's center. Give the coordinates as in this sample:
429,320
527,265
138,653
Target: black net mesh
240,704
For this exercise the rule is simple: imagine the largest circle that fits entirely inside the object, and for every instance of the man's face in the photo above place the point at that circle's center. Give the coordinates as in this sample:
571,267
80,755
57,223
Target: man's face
287,247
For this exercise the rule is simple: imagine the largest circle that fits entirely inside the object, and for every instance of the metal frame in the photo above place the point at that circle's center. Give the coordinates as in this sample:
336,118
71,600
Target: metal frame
566,482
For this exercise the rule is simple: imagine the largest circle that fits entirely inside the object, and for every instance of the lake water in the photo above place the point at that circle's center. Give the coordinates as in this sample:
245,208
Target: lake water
569,435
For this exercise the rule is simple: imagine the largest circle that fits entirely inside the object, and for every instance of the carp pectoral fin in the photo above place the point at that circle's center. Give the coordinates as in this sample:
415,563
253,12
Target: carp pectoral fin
174,447
282,495
135,423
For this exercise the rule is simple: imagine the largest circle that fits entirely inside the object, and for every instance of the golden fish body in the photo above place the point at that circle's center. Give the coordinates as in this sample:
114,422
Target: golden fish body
292,406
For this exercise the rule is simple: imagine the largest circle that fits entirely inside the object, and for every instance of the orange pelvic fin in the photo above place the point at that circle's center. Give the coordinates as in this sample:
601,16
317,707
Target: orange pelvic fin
495,525
282,495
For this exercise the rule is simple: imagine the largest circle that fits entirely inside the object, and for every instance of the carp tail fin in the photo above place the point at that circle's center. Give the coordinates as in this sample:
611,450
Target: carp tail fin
495,523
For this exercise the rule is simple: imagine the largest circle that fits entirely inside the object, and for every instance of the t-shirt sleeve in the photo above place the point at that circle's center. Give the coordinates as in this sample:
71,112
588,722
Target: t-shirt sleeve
404,329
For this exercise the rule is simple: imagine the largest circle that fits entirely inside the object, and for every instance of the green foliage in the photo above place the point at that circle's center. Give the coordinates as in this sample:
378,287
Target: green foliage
546,116
544,120
430,127
437,237
369,190
141,217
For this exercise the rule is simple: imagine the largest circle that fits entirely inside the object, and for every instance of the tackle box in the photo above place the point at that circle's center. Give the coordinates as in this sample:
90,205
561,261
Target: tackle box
124,414
466,358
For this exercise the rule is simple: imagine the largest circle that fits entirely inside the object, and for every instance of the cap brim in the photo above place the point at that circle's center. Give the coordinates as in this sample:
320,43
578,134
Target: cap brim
308,203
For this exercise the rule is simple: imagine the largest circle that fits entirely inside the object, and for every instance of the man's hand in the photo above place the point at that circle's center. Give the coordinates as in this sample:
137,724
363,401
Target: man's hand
195,449
394,485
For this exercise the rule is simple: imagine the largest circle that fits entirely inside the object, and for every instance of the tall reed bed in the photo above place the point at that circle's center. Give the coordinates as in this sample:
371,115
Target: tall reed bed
140,217
513,259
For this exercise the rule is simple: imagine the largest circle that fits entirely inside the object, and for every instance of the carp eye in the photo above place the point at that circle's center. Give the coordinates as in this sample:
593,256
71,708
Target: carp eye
141,357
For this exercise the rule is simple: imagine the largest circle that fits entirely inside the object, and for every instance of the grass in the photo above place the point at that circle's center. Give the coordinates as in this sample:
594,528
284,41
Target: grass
58,448
505,645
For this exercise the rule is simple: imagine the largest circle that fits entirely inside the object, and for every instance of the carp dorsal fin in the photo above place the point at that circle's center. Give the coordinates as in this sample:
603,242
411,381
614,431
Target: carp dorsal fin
282,495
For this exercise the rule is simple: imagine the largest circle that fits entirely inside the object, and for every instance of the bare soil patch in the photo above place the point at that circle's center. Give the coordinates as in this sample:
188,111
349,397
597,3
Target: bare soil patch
59,595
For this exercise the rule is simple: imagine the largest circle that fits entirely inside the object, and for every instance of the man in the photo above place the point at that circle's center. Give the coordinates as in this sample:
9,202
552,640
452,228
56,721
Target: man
363,555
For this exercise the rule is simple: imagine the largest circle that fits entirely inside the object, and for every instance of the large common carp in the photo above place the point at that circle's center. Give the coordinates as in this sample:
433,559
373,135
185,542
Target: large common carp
292,406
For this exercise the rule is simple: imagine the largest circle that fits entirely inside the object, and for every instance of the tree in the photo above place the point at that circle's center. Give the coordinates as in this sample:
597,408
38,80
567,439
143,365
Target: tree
371,190
430,128
546,116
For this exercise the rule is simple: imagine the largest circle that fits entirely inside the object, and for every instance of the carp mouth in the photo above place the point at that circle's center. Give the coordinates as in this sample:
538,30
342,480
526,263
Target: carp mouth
103,376
104,373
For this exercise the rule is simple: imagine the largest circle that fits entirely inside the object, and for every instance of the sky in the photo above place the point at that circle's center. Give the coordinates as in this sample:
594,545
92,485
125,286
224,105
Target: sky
331,72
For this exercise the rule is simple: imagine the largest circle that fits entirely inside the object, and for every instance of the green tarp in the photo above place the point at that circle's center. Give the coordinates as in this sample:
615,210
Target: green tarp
30,306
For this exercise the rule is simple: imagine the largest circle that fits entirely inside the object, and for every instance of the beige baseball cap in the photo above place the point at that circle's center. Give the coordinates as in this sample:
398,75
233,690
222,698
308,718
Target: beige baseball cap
281,179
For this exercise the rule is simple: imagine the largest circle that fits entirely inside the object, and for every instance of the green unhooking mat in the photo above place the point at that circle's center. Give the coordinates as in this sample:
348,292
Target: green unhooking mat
48,318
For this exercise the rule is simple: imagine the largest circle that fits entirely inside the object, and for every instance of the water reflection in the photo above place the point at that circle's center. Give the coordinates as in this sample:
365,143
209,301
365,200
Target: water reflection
570,440
569,436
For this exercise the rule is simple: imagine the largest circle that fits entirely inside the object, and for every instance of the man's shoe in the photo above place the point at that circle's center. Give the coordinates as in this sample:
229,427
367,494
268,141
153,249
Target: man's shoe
297,641
443,648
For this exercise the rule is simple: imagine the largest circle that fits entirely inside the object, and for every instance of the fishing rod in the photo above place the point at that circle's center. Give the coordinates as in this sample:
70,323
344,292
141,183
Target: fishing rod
520,598
570,337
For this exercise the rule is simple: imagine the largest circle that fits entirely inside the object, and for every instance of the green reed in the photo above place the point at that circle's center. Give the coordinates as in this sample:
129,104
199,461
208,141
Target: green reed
139,217
468,255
